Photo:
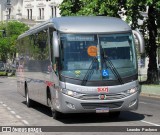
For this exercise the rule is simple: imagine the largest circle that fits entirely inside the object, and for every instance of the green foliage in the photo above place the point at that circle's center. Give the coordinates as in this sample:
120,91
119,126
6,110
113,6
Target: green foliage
8,43
90,8
70,7
3,73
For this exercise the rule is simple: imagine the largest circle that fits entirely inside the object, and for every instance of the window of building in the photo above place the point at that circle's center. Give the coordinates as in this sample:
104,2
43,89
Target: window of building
8,1
41,14
9,13
53,11
29,14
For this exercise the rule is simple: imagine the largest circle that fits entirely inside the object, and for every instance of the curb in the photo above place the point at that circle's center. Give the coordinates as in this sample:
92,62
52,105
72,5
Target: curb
150,95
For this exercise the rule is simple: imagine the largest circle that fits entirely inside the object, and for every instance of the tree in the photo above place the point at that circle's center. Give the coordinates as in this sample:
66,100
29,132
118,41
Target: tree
90,7
151,42
149,30
8,43
70,7
152,75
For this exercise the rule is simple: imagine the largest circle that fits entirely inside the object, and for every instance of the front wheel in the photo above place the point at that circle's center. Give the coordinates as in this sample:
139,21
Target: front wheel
55,114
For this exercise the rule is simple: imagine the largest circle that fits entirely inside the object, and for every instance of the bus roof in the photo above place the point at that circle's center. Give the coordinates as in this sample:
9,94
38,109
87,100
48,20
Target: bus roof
82,24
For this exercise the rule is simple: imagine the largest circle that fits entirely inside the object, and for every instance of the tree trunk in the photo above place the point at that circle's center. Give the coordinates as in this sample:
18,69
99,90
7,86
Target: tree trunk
152,75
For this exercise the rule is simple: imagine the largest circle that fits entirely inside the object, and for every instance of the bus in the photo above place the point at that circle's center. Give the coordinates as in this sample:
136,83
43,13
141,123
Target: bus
80,65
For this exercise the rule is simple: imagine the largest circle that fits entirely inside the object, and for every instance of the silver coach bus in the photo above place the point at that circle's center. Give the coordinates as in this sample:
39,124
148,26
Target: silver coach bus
80,65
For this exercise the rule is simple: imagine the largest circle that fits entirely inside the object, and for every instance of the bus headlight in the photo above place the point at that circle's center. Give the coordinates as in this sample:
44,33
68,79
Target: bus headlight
131,91
70,93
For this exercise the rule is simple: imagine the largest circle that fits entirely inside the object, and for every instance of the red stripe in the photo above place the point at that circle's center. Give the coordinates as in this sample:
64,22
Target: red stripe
49,84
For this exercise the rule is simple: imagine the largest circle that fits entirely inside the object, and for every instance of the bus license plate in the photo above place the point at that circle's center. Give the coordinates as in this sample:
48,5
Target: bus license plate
102,110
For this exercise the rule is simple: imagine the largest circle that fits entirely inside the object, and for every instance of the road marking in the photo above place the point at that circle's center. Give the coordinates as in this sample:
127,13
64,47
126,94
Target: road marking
150,123
25,122
13,112
143,102
4,105
19,117
8,108
148,103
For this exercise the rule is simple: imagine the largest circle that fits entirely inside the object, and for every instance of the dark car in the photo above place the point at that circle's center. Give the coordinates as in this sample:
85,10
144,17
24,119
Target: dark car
2,68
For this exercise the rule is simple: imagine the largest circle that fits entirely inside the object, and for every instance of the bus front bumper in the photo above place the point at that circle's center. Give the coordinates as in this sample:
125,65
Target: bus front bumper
68,104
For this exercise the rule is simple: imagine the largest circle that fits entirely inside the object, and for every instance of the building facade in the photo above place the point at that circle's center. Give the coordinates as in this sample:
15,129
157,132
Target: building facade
30,12
10,9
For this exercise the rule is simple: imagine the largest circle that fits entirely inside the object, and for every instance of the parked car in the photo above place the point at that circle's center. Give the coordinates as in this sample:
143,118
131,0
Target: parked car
2,68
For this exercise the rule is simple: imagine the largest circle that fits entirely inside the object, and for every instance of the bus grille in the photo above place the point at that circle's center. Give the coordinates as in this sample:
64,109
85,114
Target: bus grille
101,105
108,97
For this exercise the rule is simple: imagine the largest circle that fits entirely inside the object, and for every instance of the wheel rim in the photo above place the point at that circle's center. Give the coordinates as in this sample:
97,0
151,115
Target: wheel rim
27,98
50,104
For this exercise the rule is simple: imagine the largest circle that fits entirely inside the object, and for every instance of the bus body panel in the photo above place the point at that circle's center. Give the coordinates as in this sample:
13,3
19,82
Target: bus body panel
37,84
82,24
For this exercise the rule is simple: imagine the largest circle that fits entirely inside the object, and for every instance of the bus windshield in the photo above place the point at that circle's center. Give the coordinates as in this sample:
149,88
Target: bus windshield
86,56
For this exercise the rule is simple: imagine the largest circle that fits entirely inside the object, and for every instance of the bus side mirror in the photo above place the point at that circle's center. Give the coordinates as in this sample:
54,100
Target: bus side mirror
140,41
55,44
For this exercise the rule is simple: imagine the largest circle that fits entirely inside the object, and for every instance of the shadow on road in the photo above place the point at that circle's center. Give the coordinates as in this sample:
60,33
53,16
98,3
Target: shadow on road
100,118
90,117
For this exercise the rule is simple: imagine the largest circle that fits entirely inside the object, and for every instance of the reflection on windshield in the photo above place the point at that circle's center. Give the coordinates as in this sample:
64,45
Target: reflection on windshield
78,50
117,46
120,50
75,52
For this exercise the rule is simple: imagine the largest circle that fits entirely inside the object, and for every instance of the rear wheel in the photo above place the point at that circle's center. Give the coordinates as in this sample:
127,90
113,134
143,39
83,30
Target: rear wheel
29,102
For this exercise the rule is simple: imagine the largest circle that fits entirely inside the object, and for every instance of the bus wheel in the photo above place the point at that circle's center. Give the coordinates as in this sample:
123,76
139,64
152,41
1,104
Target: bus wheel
114,114
55,114
28,100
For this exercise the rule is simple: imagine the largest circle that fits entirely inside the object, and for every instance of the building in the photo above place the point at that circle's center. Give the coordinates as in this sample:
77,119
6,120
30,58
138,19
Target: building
9,10
30,12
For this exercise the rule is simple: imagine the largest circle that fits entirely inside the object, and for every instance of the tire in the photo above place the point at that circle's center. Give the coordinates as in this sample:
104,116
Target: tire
29,102
55,114
114,114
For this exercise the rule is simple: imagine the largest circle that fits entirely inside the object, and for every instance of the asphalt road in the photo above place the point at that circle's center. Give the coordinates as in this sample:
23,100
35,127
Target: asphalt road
148,113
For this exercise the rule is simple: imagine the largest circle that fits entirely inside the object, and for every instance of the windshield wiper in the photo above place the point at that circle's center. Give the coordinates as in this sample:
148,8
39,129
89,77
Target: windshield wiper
112,67
89,71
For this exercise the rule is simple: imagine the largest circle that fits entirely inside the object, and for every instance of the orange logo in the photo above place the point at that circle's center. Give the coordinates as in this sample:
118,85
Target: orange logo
92,51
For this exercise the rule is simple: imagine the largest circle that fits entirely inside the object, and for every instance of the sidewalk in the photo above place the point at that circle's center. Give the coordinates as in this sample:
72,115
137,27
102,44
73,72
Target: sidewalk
150,90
